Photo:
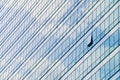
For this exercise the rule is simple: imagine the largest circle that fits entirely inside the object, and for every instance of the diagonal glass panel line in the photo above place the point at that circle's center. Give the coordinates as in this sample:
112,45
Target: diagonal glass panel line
43,8
62,56
9,30
14,30
2,4
4,9
118,22
9,7
58,65
47,39
74,66
90,52
11,20
17,10
20,13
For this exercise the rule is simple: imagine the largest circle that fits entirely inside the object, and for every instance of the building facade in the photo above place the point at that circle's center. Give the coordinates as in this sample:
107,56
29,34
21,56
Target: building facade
59,39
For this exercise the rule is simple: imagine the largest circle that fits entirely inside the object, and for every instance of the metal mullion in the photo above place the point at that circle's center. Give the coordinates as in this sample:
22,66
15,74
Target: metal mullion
5,3
18,23
6,13
29,25
11,19
12,31
88,51
110,30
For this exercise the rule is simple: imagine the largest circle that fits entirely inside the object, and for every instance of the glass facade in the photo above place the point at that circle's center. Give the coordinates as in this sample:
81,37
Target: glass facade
59,40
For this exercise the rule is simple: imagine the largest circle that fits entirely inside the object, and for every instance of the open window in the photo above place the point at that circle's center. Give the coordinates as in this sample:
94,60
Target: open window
90,40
